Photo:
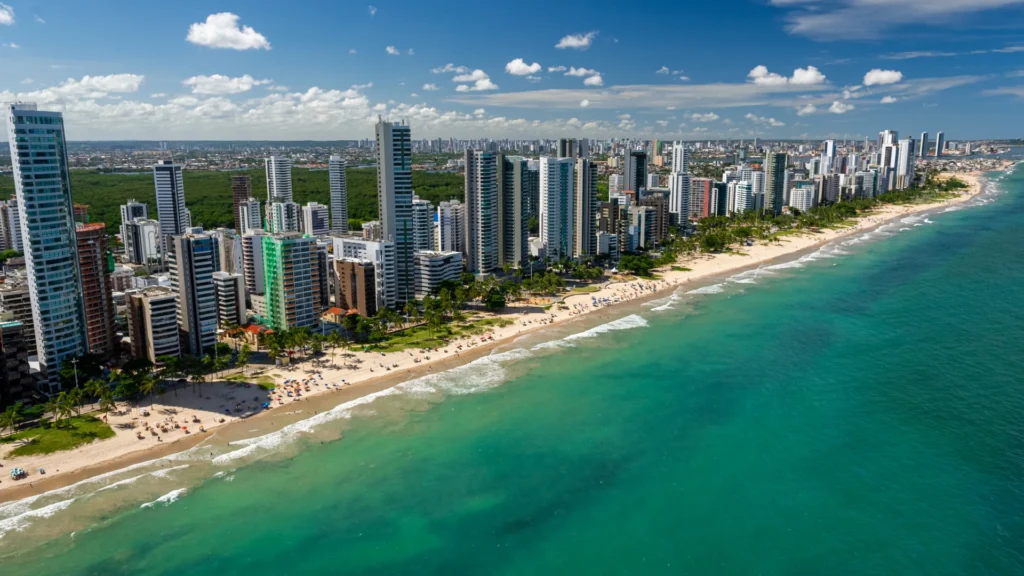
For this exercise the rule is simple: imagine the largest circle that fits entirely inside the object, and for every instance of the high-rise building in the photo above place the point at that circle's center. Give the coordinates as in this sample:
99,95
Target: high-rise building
567,147
43,190
250,216
372,231
153,323
923,149
292,280
615,183
642,223
434,268
130,211
451,226
422,224
284,217
940,144
481,212
170,200
905,163
658,201
585,206
11,217
802,197
515,180
557,212
16,302
394,200
381,255
315,219
635,170
744,199
193,258
97,294
252,261
16,382
143,242
339,194
241,192
355,286
279,179
679,195
775,164
701,190
680,159
230,291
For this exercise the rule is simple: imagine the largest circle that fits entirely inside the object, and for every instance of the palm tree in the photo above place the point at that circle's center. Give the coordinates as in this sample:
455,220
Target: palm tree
147,386
410,311
75,397
243,357
107,402
11,417
95,387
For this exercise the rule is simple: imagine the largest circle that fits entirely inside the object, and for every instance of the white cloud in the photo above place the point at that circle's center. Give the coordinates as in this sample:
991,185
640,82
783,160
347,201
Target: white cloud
6,15
806,110
351,50
862,19
518,67
709,117
28,81
372,10
12,46
556,69
662,123
684,78
219,84
574,71
38,19
158,95
670,108
881,77
533,79
577,41
277,88
222,31
809,76
888,100
916,54
414,95
393,51
410,52
663,70
481,82
88,88
430,87
450,68
584,103
764,120
594,80
479,112
838,107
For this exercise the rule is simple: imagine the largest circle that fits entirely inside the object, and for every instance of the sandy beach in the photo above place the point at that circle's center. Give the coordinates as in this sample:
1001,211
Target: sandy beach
183,419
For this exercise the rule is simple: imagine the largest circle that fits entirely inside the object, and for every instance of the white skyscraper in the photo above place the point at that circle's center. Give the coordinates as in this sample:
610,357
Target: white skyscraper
451,226
481,212
13,223
170,199
615,183
679,194
422,224
905,164
250,215
315,219
680,159
43,190
339,194
284,217
557,193
279,179
131,211
193,258
744,197
394,201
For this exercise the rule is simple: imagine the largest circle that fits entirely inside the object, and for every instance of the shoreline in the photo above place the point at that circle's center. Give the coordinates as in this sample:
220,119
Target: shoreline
124,450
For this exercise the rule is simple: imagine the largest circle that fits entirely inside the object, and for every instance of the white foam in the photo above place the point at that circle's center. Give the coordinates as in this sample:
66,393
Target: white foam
167,499
627,323
18,506
166,472
23,520
553,344
953,209
786,265
713,289
927,221
124,482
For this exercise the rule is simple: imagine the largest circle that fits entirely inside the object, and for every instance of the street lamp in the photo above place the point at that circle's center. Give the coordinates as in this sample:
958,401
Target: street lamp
74,363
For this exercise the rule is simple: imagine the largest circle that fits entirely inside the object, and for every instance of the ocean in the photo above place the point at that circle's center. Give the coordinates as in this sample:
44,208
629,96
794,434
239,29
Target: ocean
858,410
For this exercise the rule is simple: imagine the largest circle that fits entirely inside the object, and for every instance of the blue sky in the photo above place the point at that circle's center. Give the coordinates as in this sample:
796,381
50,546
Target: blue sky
325,70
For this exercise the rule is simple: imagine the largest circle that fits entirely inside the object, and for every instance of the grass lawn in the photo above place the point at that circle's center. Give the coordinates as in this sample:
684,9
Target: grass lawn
585,289
263,381
47,439
680,269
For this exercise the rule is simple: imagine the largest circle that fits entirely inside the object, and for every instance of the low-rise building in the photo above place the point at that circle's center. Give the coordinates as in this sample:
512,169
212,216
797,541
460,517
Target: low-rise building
153,323
434,268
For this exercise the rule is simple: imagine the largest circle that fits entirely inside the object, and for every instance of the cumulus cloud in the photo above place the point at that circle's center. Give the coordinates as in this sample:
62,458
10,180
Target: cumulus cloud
28,81
809,76
574,71
888,100
12,46
430,87
556,69
219,84
450,69
479,79
806,110
584,103
392,51
708,117
663,70
372,10
881,77
838,107
222,31
595,80
765,121
6,15
577,41
534,79
158,95
518,67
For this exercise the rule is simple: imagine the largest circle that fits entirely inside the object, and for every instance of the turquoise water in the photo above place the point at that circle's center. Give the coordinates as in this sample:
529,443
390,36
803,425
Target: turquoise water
860,411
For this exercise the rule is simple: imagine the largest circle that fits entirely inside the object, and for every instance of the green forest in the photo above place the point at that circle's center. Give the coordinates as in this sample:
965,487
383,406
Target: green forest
208,194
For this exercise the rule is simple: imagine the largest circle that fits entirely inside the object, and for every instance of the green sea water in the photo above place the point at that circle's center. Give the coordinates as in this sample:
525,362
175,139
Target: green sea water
859,411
